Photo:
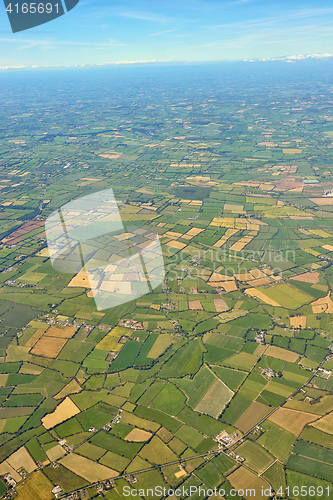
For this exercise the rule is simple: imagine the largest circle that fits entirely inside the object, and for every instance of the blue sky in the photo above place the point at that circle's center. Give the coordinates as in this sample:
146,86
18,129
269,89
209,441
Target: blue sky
109,31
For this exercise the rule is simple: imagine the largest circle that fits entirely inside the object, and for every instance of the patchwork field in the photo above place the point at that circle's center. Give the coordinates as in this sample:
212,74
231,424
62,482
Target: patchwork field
247,243
292,420
325,423
243,479
138,436
89,470
252,416
215,400
36,486
48,347
286,296
279,353
21,458
64,411
256,457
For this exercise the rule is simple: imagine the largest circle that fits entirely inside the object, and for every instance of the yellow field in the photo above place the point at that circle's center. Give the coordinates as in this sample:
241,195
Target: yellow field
256,273
328,247
194,231
55,453
48,347
130,418
256,293
307,277
138,435
21,458
324,304
195,305
110,341
34,338
5,468
292,420
243,479
3,379
252,416
111,157
298,322
63,333
72,388
291,151
243,276
172,234
64,411
325,424
220,277
181,473
36,486
320,233
161,343
80,280
279,353
322,201
176,244
229,286
89,470
241,243
258,282
225,237
220,305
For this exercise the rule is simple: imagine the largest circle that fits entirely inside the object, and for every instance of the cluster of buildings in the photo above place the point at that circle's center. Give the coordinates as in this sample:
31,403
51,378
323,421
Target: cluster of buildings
225,439
325,373
260,337
131,323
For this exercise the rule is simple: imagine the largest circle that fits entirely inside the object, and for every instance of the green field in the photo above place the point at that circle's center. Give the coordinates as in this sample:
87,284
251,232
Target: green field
313,451
255,456
189,436
209,475
276,440
309,466
317,437
196,388
287,296
275,476
169,400
186,361
241,361
232,378
295,480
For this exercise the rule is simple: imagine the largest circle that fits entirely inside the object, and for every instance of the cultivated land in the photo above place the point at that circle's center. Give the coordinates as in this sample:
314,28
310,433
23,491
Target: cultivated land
237,183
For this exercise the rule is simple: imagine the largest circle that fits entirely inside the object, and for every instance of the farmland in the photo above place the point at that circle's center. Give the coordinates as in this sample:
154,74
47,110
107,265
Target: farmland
255,456
89,470
240,322
37,486
292,420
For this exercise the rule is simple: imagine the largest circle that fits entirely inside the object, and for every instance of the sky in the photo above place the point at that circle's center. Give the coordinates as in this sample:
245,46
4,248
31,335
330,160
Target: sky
128,31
